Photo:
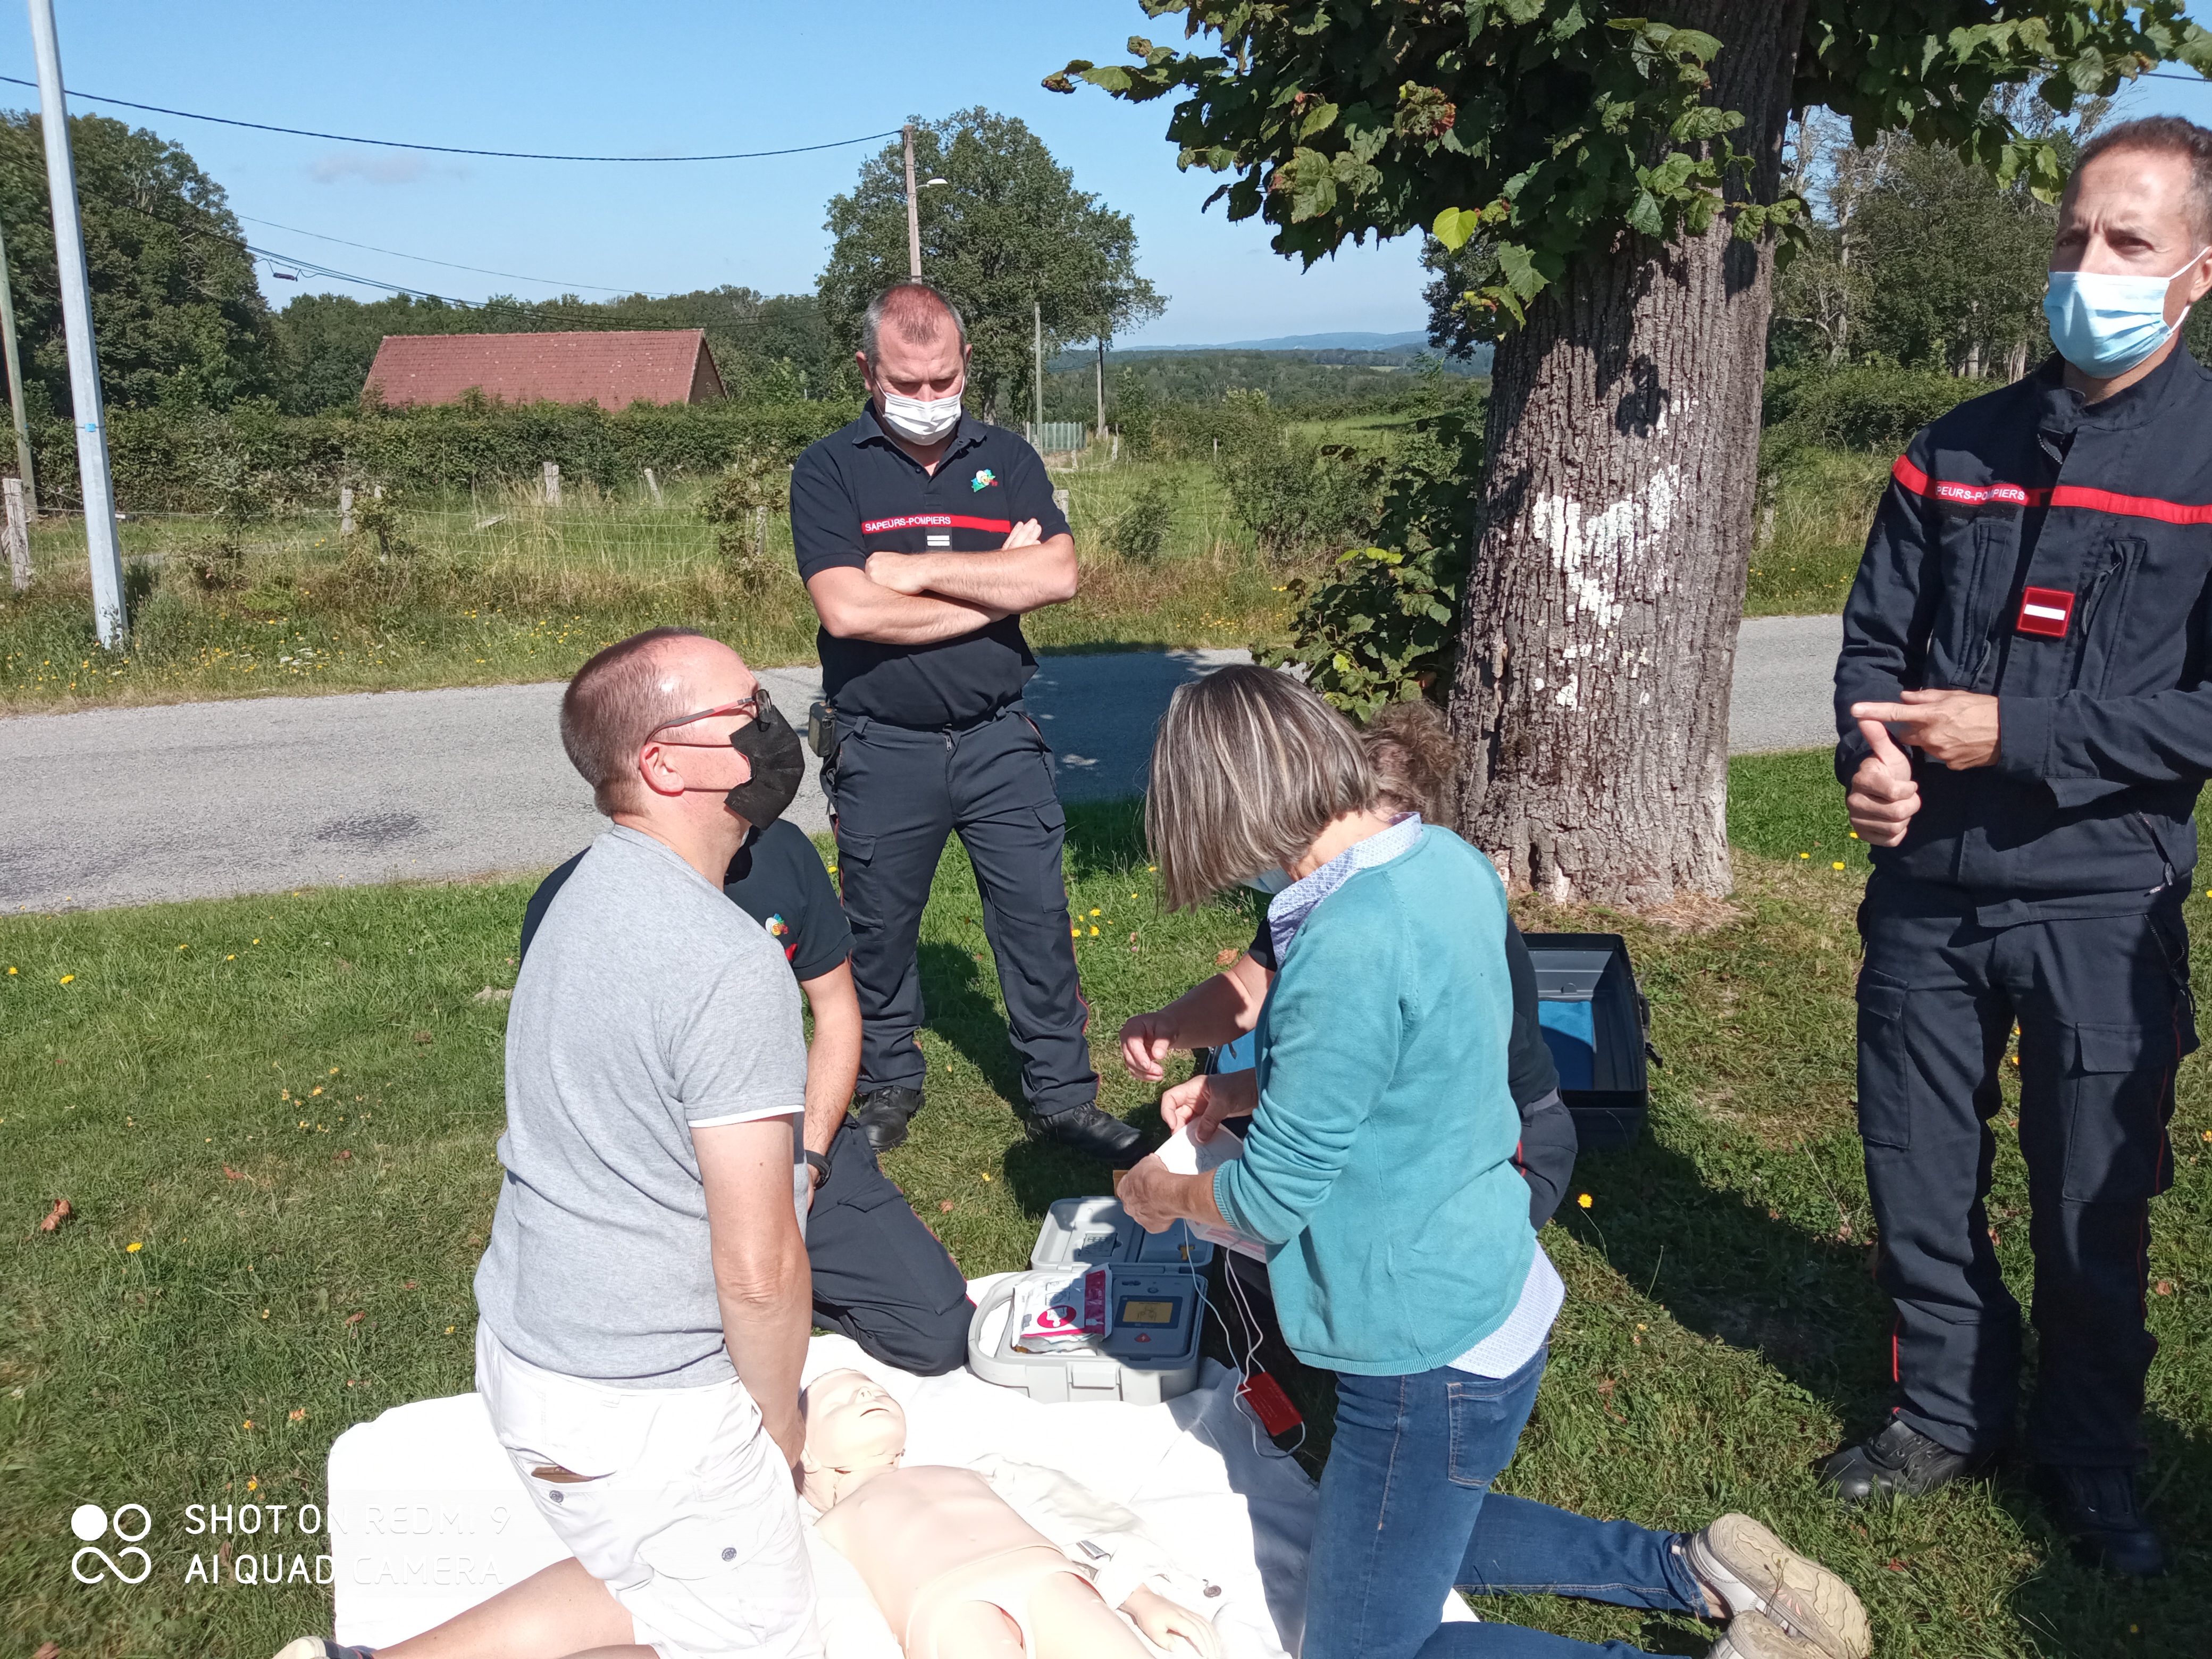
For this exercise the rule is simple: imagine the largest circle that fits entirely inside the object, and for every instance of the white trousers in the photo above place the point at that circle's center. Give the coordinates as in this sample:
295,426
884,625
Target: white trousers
687,1512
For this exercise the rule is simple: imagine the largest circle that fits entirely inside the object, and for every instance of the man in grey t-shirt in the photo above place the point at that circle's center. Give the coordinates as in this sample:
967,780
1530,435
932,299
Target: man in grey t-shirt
645,1299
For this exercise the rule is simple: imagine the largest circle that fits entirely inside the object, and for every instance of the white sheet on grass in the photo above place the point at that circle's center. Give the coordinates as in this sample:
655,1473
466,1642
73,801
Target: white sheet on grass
428,1517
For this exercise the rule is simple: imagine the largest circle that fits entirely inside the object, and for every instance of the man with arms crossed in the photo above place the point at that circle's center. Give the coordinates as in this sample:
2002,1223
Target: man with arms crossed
2026,721
923,535
644,1299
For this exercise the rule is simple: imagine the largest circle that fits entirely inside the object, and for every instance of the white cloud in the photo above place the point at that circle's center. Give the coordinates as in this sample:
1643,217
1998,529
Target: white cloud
386,169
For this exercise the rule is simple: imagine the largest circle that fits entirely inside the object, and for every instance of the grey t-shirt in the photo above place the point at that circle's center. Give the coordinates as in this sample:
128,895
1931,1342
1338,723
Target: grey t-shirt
649,1005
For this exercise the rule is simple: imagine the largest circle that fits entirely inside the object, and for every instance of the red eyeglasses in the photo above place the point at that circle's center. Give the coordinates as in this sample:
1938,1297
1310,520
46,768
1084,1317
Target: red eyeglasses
748,707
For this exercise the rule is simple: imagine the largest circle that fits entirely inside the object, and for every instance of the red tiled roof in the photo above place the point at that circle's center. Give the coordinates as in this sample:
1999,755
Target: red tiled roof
614,367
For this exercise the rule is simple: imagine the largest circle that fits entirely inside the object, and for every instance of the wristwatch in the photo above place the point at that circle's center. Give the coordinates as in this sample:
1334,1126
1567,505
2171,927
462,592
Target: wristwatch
820,1165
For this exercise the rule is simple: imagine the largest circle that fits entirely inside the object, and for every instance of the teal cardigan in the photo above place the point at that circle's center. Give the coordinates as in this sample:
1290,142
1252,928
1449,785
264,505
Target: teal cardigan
1379,1168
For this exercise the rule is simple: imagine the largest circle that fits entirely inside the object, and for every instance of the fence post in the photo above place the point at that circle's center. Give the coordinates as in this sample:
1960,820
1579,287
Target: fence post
760,534
654,484
345,510
1059,500
552,484
19,534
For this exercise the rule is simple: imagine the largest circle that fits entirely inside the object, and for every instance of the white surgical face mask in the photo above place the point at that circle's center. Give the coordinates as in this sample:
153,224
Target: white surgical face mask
2105,324
921,420
1270,882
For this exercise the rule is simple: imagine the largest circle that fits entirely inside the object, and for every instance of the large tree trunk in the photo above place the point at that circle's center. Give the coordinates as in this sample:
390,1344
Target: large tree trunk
1590,709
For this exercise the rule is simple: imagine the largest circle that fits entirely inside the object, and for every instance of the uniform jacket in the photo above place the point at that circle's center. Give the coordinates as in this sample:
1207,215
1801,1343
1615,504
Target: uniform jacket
2059,556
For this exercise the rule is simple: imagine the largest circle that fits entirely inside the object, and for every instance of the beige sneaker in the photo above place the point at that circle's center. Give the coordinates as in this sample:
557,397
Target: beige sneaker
1754,1636
1748,1570
314,1647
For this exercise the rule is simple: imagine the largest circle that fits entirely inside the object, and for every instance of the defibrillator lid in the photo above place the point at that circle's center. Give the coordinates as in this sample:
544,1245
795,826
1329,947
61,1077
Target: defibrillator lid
1091,1232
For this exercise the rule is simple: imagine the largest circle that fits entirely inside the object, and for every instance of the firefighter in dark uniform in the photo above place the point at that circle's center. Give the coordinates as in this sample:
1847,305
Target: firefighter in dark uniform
2025,695
923,535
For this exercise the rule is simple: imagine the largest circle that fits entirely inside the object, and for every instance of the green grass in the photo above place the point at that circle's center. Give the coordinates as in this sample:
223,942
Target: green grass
313,1253
503,588
1803,560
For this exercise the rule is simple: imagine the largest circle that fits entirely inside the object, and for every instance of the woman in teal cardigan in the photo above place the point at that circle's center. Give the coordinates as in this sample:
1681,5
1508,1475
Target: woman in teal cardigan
1378,1173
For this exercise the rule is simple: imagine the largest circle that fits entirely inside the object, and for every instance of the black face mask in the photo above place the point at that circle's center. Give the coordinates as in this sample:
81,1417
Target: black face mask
778,761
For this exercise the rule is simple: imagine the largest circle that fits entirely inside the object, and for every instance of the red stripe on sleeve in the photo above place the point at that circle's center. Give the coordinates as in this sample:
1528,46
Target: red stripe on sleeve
2095,501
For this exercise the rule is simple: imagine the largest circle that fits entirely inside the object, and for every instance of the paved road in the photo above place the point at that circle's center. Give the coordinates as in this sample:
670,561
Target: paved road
192,800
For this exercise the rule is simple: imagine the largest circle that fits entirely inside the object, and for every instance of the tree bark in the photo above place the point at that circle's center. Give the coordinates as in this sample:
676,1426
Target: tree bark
1621,476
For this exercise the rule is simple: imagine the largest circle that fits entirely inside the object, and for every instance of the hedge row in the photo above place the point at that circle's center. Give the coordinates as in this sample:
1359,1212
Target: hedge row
1861,408
197,462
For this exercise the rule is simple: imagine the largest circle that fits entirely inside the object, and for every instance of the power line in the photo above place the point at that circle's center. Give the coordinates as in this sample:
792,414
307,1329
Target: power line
452,149
513,276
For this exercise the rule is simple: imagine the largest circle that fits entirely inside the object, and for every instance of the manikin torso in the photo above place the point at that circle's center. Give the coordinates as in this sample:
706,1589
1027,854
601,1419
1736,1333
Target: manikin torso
954,1570
905,1529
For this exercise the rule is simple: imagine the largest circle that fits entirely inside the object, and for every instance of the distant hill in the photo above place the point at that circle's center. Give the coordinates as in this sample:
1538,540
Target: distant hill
1341,342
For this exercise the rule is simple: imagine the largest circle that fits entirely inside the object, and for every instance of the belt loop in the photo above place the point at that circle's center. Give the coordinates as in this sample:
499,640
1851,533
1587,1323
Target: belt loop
860,724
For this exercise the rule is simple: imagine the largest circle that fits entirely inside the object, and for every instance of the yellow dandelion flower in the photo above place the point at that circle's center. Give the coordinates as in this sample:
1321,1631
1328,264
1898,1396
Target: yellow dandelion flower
251,1485
184,947
249,1424
1094,909
69,979
1094,930
1838,865
1804,855
232,958
1584,1199
334,1071
318,1089
449,1330
133,1247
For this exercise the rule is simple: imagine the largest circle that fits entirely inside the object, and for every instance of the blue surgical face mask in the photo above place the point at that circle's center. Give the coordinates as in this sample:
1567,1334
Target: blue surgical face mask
2106,324
1270,882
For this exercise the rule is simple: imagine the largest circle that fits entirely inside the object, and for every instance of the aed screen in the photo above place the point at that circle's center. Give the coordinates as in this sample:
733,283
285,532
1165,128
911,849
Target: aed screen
1134,1312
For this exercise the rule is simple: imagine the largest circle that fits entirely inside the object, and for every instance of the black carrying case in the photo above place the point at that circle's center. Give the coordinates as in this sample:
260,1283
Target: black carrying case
1597,1023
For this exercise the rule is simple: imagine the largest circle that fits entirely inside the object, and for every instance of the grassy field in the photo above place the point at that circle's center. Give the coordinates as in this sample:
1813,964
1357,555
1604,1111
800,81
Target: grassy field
503,588
1804,566
274,1120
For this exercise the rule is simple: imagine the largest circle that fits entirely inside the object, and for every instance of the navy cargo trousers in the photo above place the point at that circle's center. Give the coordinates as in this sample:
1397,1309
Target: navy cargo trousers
2105,1014
895,795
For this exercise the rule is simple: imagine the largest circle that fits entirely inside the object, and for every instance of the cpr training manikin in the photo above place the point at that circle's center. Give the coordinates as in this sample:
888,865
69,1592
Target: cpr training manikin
955,1569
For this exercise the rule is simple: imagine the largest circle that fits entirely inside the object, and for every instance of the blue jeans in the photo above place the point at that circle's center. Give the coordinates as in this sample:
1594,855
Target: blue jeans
1406,1514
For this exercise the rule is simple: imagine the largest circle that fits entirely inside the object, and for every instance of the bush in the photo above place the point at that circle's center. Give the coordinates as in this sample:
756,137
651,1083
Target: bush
166,461
1140,530
1382,626
750,487
1866,408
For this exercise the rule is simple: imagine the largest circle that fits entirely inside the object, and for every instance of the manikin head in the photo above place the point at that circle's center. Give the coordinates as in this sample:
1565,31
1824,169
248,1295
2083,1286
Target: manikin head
854,1428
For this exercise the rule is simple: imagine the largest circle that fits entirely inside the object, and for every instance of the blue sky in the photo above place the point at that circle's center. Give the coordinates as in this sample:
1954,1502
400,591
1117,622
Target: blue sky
678,77
661,78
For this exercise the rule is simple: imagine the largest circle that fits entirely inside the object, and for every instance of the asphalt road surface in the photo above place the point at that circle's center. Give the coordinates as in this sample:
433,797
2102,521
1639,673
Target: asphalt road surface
197,800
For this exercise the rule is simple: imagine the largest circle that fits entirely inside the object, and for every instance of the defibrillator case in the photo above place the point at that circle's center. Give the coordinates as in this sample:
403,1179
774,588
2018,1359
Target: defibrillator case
1155,1306
1597,1023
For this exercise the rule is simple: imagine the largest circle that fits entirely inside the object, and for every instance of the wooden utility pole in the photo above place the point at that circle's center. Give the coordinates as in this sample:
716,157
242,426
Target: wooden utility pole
1101,385
1036,311
19,534
15,389
912,212
105,550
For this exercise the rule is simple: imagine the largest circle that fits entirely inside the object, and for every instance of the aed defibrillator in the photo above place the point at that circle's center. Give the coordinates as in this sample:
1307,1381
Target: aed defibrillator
1118,1312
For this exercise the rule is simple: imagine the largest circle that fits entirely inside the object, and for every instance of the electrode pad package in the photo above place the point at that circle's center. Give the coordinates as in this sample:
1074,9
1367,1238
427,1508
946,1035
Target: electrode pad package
1107,1311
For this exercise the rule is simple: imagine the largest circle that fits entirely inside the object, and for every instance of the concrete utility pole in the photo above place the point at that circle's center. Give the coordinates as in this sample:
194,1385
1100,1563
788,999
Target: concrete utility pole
16,390
100,543
1101,385
912,212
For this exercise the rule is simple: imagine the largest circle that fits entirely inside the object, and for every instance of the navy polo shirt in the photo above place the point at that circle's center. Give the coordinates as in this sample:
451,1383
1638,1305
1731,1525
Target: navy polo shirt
857,493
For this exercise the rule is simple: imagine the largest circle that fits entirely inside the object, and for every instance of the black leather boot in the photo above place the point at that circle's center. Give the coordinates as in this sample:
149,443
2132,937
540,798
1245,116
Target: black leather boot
883,1112
2095,1508
1087,1130
1899,1463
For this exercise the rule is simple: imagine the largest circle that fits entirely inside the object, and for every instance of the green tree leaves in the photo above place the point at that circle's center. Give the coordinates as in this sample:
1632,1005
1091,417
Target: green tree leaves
1546,129
1009,230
